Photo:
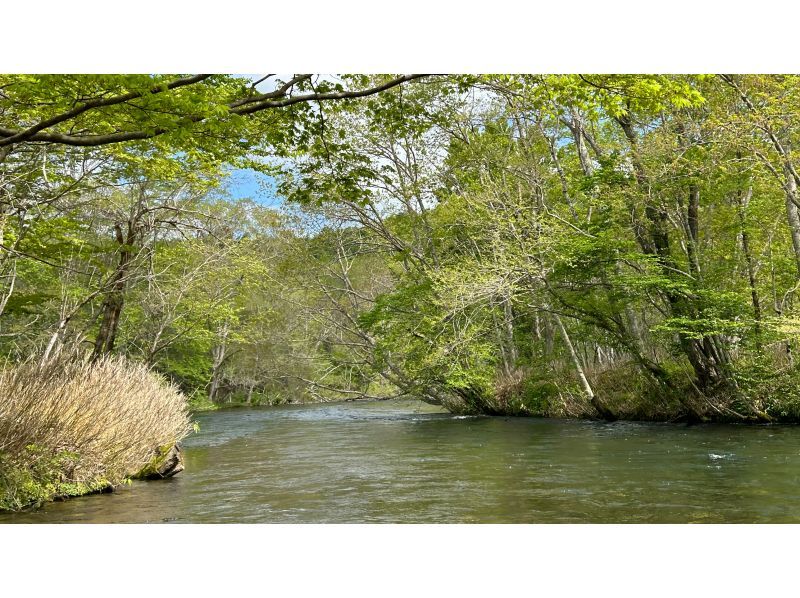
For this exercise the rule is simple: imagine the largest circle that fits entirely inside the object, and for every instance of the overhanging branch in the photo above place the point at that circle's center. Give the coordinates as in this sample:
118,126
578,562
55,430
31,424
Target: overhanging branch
268,101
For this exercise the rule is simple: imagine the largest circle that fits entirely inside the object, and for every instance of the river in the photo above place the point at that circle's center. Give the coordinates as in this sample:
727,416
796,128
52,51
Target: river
408,462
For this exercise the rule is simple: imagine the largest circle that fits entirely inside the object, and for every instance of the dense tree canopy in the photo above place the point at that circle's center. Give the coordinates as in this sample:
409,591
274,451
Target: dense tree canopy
581,245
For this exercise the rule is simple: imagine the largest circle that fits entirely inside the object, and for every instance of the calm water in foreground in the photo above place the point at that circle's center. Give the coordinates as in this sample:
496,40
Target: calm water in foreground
407,462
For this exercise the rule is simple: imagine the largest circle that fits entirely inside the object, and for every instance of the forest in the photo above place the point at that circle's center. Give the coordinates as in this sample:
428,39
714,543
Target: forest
579,246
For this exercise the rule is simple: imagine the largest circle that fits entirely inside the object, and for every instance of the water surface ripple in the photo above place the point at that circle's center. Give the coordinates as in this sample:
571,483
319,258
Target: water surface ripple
408,462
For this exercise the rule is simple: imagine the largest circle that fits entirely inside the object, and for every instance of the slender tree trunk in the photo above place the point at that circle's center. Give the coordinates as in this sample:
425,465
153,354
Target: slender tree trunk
7,257
12,276
115,298
55,338
250,393
107,335
577,127
218,355
743,202
692,227
601,409
793,215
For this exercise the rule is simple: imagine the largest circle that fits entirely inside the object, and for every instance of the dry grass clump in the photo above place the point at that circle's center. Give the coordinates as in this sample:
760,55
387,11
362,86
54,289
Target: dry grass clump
108,417
509,391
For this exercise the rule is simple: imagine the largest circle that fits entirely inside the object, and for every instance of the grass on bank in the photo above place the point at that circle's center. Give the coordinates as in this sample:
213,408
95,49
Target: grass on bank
73,427
758,386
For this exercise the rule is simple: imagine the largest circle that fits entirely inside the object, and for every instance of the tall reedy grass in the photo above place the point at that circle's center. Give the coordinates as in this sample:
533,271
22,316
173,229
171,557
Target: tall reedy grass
107,417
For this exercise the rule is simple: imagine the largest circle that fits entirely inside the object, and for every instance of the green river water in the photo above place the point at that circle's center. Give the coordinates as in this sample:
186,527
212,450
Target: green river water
408,462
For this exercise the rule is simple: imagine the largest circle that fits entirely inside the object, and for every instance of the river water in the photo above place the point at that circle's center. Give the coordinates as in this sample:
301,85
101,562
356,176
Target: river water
408,462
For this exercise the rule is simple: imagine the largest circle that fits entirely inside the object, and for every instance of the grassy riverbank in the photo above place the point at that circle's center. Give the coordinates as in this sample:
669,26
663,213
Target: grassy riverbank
759,395
758,392
69,428
199,401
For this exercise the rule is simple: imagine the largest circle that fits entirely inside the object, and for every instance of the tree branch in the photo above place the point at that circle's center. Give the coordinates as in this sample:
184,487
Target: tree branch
242,107
16,137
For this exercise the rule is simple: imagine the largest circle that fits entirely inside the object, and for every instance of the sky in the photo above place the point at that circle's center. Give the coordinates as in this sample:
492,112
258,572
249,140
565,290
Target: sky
247,183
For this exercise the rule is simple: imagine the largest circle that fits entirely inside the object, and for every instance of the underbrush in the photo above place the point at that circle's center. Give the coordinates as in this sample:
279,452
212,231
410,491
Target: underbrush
760,392
72,427
774,390
632,395
200,401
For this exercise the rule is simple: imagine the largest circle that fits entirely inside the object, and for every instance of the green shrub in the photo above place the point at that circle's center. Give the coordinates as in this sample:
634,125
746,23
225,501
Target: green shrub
38,475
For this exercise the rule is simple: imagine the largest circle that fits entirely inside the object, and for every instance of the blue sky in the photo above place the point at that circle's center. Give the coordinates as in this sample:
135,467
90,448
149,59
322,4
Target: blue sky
247,183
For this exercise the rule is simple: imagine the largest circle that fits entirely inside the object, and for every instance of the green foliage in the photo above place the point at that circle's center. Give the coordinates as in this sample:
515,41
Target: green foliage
776,391
520,244
539,395
38,475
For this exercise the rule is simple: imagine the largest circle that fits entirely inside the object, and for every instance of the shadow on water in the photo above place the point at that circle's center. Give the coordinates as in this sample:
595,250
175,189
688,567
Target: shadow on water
408,462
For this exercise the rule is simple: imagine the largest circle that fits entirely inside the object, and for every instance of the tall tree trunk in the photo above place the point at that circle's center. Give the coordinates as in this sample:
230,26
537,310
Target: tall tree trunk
692,228
743,202
793,214
577,127
601,409
115,298
706,354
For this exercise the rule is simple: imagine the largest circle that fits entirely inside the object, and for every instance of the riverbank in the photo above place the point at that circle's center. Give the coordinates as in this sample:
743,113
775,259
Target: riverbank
199,402
69,428
625,394
753,394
